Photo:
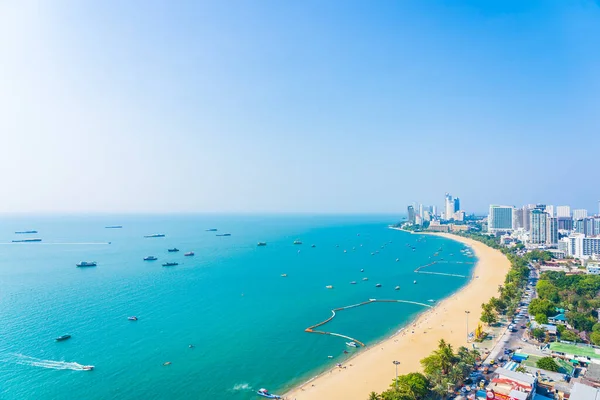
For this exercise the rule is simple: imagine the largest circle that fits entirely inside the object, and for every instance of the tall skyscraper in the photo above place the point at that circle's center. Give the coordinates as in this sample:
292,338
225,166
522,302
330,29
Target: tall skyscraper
456,204
565,223
434,210
527,217
563,211
579,214
552,231
448,206
411,214
500,218
539,226
421,210
550,211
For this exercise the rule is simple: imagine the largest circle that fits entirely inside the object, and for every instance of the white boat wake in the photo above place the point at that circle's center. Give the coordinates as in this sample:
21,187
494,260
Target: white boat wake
50,364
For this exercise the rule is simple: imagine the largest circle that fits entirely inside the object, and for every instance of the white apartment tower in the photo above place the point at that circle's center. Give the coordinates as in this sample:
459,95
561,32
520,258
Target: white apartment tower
563,211
500,218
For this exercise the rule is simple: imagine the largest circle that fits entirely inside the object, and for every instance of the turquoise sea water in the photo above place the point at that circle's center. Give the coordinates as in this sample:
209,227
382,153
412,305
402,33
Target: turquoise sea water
245,320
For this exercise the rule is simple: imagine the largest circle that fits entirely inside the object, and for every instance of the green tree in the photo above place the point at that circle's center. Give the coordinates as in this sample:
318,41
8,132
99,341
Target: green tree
413,386
595,338
542,306
596,327
521,368
497,304
546,290
570,336
541,318
373,396
538,333
580,321
548,364
488,315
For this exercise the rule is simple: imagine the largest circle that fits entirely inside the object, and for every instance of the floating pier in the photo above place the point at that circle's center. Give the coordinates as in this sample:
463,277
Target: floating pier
312,329
418,270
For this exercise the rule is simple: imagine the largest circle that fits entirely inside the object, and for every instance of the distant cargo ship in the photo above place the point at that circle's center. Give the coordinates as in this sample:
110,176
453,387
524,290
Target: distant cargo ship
27,240
113,227
87,264
25,232
155,235
224,234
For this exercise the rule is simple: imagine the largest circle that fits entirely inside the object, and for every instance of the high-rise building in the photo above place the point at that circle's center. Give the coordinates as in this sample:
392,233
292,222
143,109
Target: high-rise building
550,211
552,231
421,210
582,247
411,214
539,226
527,217
448,206
426,215
456,204
597,226
579,214
518,218
565,223
563,211
500,218
434,210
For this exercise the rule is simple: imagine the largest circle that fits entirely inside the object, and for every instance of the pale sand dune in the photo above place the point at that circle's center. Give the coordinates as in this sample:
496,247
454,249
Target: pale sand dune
373,370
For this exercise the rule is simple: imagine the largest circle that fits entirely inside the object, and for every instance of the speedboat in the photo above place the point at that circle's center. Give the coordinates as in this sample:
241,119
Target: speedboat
170,264
87,367
155,235
297,242
362,270
329,287
87,264
397,288
133,318
63,337
173,250
353,283
414,282
265,393
262,244
351,344
150,258
283,275
378,285
365,279
189,254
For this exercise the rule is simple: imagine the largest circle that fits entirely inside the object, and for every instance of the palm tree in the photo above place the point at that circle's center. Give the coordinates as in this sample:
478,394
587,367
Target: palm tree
373,396
446,356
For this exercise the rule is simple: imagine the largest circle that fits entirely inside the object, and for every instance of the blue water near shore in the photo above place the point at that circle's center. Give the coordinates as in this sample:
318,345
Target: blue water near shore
245,320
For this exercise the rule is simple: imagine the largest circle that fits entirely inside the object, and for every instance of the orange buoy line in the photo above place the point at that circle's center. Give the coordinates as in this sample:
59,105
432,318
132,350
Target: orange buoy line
311,329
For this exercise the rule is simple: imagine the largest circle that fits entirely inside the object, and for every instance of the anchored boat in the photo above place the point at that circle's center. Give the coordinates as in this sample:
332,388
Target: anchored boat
87,264
62,338
265,393
150,258
155,235
170,264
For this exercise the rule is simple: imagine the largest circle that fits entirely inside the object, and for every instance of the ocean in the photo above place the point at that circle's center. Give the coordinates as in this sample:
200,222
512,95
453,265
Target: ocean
244,320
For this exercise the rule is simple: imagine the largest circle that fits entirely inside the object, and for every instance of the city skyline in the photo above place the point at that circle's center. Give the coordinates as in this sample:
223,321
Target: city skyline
312,107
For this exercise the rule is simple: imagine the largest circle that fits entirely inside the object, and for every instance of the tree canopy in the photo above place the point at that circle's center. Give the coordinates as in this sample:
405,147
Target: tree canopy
548,364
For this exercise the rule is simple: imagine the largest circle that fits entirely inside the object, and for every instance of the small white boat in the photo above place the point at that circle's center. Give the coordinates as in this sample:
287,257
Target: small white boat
265,393
415,282
87,367
397,288
283,275
378,285
133,318
431,300
329,287
353,283
397,259
351,344
189,254
297,242
365,279
362,270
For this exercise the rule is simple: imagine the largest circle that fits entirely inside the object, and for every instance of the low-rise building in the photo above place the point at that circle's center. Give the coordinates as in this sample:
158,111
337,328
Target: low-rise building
584,392
593,269
507,385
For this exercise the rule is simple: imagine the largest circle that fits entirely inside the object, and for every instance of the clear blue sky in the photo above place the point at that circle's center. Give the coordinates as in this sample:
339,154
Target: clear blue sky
307,106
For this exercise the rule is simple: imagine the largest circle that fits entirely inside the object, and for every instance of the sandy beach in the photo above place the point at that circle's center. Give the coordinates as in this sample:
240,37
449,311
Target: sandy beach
373,370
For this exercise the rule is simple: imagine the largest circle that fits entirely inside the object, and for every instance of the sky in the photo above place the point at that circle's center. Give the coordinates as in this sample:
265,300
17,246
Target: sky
309,106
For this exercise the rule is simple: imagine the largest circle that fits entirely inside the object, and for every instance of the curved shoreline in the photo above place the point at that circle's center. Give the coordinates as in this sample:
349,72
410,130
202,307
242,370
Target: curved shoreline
372,369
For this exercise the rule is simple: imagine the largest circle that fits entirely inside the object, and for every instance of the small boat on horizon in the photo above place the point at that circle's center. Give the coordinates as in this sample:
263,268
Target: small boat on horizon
27,240
173,250
87,264
283,275
329,287
353,283
351,344
155,235
313,245
189,254
113,227
414,282
88,367
132,318
362,270
63,337
297,241
262,244
397,288
211,230
150,258
265,393
25,232
397,259
365,279
378,285
224,234
170,264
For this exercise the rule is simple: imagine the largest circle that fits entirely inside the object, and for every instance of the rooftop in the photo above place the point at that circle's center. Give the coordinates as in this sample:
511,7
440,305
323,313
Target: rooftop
577,350
516,376
584,392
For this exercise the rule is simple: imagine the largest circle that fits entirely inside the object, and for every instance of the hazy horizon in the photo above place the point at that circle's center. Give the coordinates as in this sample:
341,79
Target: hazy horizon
264,107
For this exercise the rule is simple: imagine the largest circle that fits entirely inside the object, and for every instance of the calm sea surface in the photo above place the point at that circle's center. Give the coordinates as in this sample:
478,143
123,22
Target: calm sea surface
245,320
